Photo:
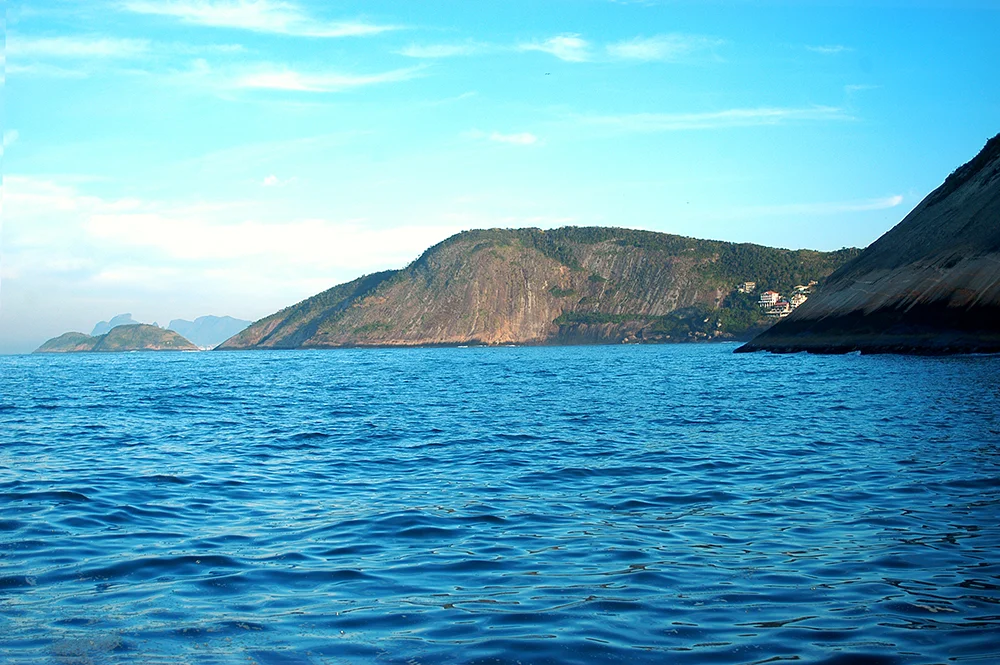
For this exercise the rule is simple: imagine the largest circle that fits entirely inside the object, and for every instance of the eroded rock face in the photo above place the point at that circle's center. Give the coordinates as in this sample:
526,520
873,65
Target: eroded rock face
930,285
527,286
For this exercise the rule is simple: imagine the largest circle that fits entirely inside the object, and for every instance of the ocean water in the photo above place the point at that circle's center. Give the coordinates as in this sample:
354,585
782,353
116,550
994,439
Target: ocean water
635,504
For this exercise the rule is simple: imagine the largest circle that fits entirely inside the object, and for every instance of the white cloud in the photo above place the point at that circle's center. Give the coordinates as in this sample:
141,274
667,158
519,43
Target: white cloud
522,138
450,100
70,228
860,87
289,79
80,57
45,70
190,49
431,51
183,235
9,138
672,122
75,47
569,47
72,258
664,48
834,49
274,181
274,76
255,15
817,209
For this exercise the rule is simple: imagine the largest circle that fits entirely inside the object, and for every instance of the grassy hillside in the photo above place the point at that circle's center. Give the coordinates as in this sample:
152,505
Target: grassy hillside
137,337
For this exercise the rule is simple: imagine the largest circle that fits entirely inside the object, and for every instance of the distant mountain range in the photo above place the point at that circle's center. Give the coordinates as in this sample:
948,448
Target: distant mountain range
930,285
209,331
561,286
121,338
104,327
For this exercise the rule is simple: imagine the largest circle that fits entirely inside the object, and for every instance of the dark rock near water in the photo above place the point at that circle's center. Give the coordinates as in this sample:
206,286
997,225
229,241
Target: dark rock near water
930,285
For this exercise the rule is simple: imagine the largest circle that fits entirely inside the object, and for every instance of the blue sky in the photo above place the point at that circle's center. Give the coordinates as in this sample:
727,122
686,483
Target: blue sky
174,158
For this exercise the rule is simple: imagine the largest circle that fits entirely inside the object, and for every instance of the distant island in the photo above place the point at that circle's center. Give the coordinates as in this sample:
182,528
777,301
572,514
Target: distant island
208,331
562,286
121,338
930,285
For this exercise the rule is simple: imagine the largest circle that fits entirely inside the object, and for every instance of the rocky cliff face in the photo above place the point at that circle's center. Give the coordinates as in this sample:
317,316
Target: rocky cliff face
538,287
123,338
930,285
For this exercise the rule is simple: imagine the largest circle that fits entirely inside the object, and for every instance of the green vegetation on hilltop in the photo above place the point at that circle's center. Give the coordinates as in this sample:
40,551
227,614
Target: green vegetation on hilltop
141,337
775,269
723,263
566,285
135,337
68,343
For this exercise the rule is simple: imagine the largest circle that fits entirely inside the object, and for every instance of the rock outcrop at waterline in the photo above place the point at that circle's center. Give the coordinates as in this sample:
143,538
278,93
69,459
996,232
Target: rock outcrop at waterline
562,286
930,285
120,339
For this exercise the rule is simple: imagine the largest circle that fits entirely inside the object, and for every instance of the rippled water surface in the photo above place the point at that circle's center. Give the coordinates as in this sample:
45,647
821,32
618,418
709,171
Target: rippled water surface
658,504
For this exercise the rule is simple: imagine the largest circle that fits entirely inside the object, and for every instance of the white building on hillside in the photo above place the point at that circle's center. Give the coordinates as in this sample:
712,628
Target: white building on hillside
782,308
769,298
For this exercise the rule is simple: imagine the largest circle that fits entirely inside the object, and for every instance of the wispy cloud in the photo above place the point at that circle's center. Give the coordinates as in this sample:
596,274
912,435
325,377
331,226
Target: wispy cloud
450,100
568,47
522,138
291,80
54,227
83,56
9,138
275,76
431,51
860,87
255,15
833,49
670,122
274,181
23,46
572,47
44,70
823,208
662,48
519,138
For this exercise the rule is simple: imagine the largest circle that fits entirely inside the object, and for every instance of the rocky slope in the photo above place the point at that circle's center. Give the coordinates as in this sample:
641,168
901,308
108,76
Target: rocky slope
930,285
134,337
563,286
